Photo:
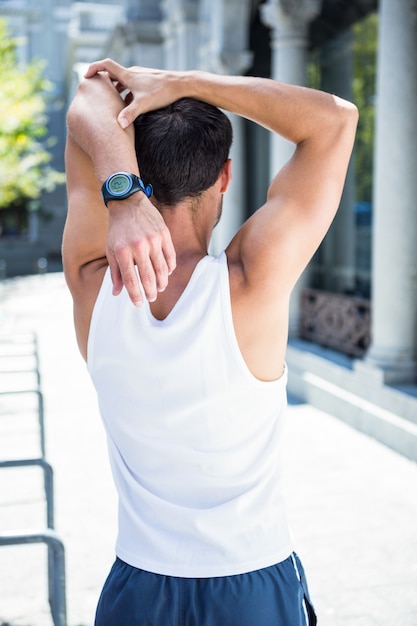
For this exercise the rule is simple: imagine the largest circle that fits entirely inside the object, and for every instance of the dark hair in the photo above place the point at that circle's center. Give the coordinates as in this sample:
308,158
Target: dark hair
181,148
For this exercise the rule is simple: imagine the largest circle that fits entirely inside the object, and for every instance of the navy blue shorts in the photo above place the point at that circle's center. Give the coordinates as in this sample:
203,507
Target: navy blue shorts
273,596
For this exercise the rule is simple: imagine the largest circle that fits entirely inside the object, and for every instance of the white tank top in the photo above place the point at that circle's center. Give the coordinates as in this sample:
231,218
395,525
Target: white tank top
194,438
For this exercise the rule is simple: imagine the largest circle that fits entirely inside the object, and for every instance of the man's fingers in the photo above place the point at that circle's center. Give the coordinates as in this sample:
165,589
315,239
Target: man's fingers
116,277
153,271
128,115
115,71
140,253
168,251
124,273
130,281
147,278
160,269
163,258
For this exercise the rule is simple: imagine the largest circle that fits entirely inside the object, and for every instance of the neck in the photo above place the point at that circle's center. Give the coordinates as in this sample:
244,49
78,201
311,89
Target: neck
190,227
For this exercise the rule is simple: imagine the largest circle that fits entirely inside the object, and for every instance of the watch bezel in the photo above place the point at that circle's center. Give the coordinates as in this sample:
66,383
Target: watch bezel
125,175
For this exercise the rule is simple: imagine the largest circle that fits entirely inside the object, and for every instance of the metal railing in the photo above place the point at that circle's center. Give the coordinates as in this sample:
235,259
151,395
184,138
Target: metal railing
18,360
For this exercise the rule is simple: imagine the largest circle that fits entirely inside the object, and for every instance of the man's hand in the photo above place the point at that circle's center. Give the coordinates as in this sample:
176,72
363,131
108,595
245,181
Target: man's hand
148,89
138,236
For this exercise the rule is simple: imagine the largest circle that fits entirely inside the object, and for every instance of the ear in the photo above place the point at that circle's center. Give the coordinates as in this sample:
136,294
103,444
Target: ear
226,176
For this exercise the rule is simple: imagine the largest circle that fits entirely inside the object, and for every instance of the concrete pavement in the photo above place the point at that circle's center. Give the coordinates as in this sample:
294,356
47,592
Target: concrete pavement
352,502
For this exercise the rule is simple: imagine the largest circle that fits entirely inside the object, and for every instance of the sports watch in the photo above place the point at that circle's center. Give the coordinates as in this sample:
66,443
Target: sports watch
122,185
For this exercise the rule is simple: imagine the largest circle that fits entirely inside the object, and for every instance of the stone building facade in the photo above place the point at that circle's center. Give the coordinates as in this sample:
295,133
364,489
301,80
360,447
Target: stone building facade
373,384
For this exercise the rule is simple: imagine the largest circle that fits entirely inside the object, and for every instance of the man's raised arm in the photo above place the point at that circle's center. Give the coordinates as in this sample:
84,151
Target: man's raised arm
276,243
98,147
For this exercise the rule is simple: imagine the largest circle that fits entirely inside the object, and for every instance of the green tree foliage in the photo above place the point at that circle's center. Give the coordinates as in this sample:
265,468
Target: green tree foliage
25,170
364,89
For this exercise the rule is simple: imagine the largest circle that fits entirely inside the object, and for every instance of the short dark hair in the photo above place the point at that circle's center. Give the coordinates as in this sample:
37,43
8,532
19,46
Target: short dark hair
181,148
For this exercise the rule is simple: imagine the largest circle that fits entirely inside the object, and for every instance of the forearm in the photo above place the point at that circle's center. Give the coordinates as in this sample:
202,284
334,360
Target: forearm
296,113
137,235
92,124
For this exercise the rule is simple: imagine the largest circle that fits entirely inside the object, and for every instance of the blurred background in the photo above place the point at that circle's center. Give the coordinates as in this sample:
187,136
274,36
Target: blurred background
357,301
353,327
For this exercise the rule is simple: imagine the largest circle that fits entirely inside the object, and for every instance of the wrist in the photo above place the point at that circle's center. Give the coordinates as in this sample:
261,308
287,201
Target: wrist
191,83
138,202
186,83
122,185
207,87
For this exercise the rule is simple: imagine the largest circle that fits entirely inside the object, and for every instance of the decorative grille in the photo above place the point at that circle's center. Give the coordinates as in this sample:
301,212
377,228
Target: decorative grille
336,321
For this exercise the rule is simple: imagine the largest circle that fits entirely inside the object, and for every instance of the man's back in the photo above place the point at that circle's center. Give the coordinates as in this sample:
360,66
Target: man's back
194,437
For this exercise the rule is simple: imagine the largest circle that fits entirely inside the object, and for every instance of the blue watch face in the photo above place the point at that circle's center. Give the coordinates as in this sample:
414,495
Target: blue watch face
119,184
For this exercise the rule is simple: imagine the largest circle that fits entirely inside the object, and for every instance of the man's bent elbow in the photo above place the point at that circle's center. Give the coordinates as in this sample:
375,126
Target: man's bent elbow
347,114
80,102
339,124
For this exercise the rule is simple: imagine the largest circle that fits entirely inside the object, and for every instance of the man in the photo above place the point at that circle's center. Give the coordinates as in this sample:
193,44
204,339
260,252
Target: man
191,380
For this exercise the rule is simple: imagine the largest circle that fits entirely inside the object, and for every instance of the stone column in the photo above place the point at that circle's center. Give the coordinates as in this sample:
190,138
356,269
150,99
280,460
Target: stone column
225,50
190,31
233,204
181,31
170,30
140,42
394,301
289,22
338,253
208,57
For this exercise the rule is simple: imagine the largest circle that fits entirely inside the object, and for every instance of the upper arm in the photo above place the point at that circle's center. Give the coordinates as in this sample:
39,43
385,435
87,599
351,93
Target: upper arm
84,239
278,240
